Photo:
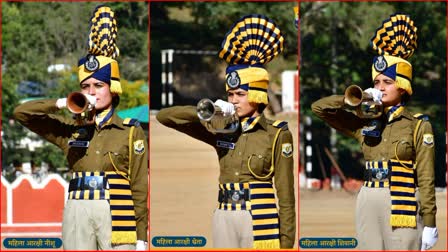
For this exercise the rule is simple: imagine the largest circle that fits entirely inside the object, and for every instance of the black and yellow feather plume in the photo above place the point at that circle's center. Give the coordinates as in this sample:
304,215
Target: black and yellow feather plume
397,36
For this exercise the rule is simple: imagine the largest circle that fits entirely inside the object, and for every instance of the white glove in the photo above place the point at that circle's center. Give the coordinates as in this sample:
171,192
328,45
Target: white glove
92,101
141,245
226,107
429,237
61,103
376,94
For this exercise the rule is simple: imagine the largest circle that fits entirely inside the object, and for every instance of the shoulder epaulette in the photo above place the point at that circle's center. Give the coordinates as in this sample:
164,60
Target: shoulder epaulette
280,124
421,116
131,122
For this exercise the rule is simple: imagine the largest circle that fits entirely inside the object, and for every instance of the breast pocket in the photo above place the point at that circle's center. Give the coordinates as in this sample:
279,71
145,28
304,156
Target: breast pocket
402,148
117,157
259,164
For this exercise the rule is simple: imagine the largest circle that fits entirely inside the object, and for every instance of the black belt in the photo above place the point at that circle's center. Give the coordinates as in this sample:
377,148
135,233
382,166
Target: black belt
233,196
87,183
377,174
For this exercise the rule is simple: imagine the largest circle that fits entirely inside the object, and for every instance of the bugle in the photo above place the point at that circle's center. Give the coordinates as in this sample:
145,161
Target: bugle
80,106
77,102
214,119
362,102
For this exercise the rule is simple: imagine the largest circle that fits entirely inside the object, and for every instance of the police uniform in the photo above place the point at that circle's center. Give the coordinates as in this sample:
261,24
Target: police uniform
398,135
398,195
252,155
107,151
235,150
107,199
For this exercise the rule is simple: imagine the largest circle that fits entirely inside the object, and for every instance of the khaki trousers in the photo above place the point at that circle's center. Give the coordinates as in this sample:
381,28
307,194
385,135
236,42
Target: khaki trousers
373,210
232,229
87,225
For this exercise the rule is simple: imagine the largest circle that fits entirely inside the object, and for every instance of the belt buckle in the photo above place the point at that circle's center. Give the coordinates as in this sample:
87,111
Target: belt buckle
235,196
93,182
379,174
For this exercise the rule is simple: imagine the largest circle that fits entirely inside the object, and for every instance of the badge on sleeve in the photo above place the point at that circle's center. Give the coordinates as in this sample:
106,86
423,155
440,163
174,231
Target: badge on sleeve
139,147
287,150
428,139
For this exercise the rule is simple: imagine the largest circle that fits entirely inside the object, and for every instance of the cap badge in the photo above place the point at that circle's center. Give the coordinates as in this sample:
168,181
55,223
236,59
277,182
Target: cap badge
233,80
91,64
380,64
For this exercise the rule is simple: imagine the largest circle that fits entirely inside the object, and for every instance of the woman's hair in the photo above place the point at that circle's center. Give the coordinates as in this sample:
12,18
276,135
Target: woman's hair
405,98
115,100
261,107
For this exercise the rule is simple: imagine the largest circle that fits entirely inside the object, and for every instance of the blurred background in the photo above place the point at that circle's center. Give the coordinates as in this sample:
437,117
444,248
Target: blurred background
41,45
335,53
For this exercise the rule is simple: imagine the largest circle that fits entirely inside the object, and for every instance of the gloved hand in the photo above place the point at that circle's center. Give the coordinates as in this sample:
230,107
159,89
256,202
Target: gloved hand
141,245
429,237
226,107
61,103
92,101
375,93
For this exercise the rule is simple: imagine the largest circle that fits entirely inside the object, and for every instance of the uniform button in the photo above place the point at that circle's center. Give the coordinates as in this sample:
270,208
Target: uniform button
385,140
237,173
383,159
260,156
97,152
239,153
244,134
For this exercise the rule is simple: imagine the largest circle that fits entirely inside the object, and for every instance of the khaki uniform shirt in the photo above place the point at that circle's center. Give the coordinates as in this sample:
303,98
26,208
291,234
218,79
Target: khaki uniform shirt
397,134
257,143
39,116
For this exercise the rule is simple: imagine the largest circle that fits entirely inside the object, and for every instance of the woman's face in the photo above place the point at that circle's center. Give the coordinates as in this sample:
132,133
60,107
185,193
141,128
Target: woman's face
391,93
100,90
244,108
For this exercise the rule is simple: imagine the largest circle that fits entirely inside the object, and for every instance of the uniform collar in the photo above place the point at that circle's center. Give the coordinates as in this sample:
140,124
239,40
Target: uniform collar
403,113
115,121
249,123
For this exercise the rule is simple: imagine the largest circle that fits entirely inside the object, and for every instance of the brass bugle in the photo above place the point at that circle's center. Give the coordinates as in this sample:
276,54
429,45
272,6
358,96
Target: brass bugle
77,102
362,103
214,119
354,95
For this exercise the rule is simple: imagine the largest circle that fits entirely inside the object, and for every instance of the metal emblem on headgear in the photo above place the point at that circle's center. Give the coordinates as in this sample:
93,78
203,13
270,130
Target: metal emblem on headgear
251,42
233,80
395,41
380,64
91,64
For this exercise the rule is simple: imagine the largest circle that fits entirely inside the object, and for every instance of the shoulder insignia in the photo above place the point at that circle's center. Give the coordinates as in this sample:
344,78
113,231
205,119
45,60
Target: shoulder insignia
131,122
280,124
421,116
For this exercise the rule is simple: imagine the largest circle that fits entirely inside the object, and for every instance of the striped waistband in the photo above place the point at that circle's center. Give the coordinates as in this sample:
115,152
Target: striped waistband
258,192
86,193
379,174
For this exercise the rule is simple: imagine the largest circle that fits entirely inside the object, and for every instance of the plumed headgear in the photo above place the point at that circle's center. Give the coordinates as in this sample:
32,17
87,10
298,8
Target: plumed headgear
395,41
100,63
253,41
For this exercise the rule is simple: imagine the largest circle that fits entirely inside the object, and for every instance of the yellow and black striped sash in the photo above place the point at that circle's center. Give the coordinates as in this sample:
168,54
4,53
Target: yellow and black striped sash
263,208
119,195
402,191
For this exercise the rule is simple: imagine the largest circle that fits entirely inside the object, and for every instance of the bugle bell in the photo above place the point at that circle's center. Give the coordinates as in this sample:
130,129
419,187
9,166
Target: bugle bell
214,119
77,102
362,102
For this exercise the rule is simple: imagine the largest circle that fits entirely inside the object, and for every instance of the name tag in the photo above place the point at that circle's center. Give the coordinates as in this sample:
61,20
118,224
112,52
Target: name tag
227,145
76,143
